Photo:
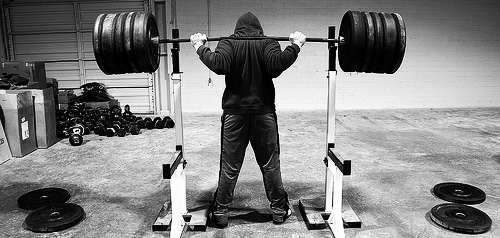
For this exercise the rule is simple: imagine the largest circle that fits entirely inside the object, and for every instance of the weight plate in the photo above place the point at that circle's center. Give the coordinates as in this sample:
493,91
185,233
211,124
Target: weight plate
108,45
378,44
54,217
129,41
42,197
96,41
139,41
460,218
121,57
401,42
152,40
459,193
390,41
352,52
146,52
369,41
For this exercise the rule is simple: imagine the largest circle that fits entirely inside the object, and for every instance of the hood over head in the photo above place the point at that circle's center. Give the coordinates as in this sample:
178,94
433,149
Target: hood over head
248,25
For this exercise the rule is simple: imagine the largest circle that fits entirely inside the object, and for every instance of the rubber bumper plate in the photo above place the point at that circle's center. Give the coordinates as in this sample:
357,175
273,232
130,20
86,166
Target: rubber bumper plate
54,217
42,197
459,193
461,218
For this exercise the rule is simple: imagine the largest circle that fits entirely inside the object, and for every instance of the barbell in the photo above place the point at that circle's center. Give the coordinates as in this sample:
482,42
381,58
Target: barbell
369,42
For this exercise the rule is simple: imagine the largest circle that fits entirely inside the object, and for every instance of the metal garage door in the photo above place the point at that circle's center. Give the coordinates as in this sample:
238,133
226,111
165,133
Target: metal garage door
60,33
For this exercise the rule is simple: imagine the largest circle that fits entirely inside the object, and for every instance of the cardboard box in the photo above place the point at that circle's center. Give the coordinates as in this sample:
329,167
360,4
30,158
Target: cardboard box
106,104
54,84
45,116
4,146
34,71
17,114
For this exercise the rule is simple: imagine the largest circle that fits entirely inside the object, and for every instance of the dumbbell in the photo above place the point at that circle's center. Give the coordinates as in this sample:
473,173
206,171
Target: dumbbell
114,116
158,123
100,130
118,129
121,132
168,122
61,129
72,112
149,123
116,109
131,118
126,127
141,123
110,132
134,128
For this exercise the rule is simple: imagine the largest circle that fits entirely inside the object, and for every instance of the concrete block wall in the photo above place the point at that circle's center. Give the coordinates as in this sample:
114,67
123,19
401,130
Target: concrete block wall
452,57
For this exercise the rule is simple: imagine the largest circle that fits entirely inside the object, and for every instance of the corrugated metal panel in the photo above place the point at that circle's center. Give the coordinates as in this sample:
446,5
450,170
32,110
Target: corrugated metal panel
134,97
33,19
60,33
69,71
45,47
47,33
132,89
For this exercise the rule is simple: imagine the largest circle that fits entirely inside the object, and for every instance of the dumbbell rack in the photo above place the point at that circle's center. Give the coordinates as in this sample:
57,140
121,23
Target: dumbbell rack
338,214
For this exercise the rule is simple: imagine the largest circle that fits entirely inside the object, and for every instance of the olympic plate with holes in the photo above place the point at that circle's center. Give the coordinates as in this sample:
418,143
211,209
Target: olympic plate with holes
460,218
459,193
42,197
54,217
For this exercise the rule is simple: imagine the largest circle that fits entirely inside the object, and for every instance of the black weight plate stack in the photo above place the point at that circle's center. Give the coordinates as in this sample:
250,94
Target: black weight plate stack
42,197
352,52
54,217
460,218
459,193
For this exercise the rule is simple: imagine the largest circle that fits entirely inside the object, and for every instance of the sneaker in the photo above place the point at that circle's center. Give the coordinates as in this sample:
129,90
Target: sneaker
280,217
218,214
220,218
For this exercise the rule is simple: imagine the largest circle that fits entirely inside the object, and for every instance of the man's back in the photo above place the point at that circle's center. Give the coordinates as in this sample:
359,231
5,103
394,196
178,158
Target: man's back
249,67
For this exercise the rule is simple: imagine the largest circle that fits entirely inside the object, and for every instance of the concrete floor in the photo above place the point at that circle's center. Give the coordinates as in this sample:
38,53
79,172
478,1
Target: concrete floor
397,155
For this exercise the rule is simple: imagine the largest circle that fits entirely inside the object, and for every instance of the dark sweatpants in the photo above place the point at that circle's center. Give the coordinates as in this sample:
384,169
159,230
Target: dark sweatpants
261,130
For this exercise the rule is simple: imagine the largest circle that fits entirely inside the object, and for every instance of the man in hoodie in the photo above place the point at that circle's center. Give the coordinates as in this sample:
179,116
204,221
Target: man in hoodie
249,111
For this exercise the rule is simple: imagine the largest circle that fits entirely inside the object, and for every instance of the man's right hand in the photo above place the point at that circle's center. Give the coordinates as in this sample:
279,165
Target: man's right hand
297,38
198,40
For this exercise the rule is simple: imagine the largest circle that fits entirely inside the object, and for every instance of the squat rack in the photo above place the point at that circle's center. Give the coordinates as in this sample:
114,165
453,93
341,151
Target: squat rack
174,215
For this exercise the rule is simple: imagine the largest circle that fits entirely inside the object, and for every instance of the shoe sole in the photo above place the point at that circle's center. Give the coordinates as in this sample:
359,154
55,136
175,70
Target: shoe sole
281,220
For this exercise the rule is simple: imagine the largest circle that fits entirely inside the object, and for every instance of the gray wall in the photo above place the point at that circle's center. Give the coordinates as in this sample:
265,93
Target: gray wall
452,57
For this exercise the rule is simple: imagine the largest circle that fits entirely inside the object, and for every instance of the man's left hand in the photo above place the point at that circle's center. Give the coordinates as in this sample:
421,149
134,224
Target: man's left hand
198,40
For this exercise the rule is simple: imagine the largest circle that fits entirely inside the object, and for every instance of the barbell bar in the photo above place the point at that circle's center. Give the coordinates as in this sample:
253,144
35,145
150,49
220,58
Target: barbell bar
368,42
278,38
